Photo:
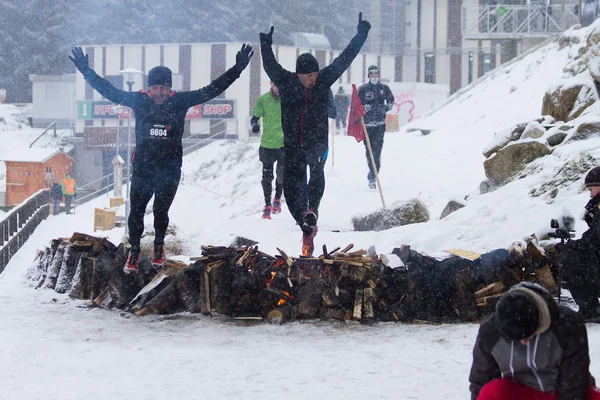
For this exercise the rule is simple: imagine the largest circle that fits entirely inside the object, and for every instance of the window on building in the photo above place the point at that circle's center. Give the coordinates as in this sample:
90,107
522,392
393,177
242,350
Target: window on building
487,63
429,68
471,59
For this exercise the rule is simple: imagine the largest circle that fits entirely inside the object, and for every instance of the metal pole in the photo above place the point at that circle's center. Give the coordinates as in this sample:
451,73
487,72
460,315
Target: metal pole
127,208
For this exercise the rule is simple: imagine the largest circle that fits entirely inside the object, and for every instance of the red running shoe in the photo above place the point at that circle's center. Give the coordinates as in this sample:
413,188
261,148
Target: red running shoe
266,212
132,266
158,255
276,208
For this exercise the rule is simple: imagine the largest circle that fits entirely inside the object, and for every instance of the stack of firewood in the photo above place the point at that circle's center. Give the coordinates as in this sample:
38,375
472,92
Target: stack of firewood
246,283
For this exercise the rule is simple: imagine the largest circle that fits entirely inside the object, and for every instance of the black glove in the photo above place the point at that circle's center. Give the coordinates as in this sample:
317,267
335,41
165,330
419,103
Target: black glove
266,39
388,107
255,128
242,59
363,25
80,60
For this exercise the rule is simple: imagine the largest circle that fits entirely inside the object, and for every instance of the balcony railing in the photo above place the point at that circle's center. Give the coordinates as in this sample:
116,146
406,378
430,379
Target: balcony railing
516,22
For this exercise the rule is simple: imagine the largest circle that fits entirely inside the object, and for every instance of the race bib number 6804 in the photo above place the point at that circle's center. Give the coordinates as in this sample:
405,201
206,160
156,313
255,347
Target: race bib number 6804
158,132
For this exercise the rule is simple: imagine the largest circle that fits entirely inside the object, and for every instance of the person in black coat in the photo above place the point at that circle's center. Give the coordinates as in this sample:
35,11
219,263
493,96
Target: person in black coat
377,99
580,259
342,103
56,195
159,126
532,348
304,99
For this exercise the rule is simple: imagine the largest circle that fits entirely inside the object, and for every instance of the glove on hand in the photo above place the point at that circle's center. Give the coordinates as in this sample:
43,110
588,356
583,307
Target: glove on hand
363,25
367,107
255,128
266,39
79,59
242,59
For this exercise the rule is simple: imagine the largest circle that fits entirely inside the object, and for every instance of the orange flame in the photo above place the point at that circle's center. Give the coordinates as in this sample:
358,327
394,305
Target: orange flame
280,302
270,280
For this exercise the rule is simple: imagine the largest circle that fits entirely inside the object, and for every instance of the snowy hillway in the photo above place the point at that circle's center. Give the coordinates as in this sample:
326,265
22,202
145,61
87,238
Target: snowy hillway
51,347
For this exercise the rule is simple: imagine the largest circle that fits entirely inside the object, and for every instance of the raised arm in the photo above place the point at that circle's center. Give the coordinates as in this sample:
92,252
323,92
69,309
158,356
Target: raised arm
101,85
333,71
219,85
274,70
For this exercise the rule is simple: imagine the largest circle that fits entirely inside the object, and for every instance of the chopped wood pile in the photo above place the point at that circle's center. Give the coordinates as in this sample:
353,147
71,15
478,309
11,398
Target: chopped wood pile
245,283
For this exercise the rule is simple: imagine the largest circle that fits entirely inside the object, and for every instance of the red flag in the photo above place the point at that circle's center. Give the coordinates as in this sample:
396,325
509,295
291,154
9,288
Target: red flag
354,119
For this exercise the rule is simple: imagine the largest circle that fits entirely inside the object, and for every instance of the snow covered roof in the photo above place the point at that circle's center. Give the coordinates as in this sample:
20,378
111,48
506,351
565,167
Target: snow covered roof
311,40
32,155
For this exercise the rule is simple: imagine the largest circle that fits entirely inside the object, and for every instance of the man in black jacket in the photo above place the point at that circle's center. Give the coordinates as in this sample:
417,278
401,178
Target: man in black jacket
304,99
580,259
56,195
377,99
532,348
159,123
342,103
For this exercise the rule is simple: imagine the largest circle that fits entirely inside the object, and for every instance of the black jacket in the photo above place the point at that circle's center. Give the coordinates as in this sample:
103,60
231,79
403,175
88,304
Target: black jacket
159,127
557,359
304,111
590,240
380,99
56,191
342,102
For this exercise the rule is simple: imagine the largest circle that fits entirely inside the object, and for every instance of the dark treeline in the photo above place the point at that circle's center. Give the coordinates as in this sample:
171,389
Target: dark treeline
36,35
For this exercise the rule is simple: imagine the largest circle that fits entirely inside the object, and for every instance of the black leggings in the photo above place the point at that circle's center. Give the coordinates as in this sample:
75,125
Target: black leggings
163,185
376,134
269,157
299,196
581,270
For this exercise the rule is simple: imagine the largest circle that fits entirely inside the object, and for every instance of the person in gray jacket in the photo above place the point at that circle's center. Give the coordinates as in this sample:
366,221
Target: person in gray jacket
532,348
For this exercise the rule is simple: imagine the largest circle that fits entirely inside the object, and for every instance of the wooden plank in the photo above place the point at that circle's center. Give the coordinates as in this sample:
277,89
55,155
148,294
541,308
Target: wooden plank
358,301
493,288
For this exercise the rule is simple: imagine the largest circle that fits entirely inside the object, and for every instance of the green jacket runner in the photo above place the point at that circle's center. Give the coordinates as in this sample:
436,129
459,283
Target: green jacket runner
269,109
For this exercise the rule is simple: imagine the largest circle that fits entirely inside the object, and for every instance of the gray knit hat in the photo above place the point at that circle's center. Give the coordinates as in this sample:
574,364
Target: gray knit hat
593,177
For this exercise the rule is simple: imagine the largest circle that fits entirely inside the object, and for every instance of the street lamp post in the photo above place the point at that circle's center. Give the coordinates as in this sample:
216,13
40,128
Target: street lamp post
129,76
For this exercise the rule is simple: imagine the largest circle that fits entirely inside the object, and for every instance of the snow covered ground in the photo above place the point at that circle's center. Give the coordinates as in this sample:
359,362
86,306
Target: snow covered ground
53,347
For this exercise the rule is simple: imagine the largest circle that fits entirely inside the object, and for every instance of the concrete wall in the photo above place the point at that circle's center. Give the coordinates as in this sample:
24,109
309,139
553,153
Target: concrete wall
53,98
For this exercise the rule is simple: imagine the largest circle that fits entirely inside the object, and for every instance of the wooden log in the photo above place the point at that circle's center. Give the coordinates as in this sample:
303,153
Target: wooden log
188,290
54,269
333,313
485,301
310,299
280,314
67,270
103,300
368,300
544,277
347,248
164,302
493,288
358,302
40,267
330,300
466,305
220,288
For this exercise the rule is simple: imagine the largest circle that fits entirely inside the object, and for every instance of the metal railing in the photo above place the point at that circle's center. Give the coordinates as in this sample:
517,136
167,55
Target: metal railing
515,22
52,125
18,226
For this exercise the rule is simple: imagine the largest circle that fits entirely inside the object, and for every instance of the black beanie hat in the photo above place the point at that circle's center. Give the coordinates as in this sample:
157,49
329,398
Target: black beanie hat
593,177
372,68
517,316
160,76
306,64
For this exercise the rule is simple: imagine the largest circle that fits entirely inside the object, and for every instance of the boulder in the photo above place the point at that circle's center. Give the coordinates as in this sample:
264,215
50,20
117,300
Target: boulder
411,212
450,208
586,130
512,159
503,138
534,130
569,101
556,138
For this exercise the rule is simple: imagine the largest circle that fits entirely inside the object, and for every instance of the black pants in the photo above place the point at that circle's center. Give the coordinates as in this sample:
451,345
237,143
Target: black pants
299,196
269,157
581,270
161,183
376,134
68,199
341,118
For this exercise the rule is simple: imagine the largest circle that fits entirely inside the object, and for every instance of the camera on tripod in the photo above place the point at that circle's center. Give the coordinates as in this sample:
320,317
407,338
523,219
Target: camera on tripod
563,232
